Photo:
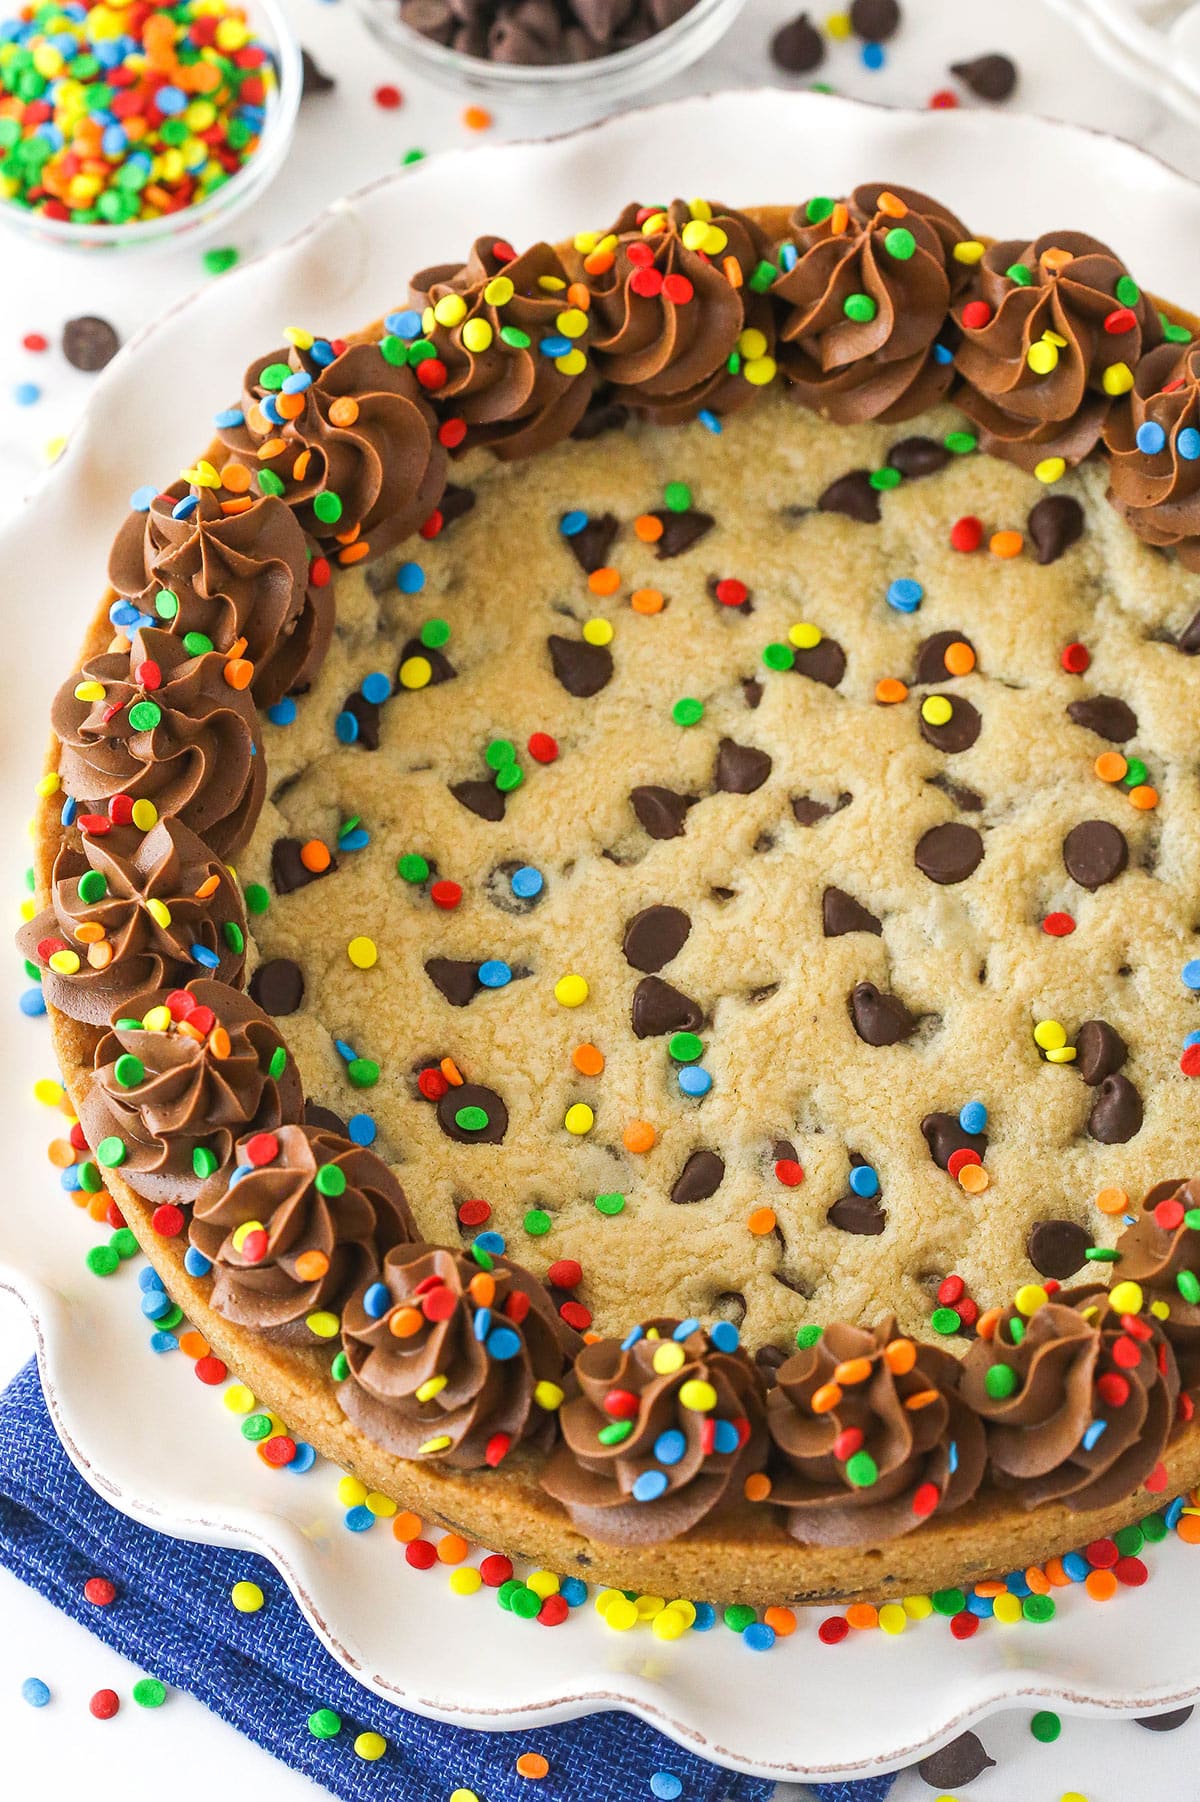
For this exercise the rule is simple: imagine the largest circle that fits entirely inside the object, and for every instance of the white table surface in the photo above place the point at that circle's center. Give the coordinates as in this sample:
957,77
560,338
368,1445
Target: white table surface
344,140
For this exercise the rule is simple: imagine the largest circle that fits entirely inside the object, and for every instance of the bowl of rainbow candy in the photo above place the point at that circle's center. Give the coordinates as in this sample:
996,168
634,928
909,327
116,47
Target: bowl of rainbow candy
125,125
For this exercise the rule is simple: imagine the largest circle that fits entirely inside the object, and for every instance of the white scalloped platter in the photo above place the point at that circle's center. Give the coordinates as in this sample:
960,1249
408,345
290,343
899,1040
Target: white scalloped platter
141,1429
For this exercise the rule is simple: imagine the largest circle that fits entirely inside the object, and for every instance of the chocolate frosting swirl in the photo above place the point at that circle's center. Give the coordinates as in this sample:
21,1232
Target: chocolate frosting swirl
668,291
159,896
360,461
1157,492
871,1436
307,1217
1073,287
181,1076
664,1430
1089,1405
514,344
229,575
453,1362
158,724
867,284
1161,1253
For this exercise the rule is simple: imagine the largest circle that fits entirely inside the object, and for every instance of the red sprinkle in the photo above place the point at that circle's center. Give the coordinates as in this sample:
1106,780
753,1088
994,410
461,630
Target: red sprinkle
1157,1480
975,314
35,341
964,1625
565,1273
261,1148
495,1569
433,1086
1102,1554
1121,319
1075,658
789,1172
1169,1214
832,1631
1113,1389
451,433
99,1591
730,592
210,1370
1189,1063
104,1704
388,97
167,1220
1059,926
496,1449
279,1450
553,1611
958,1159
421,1554
576,1315
925,1499
950,1290
942,100
542,748
470,1213
966,534
446,895
1130,1571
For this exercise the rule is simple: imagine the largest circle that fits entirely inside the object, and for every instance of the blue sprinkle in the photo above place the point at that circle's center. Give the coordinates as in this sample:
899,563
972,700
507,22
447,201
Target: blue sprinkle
1150,437
1173,1513
503,1343
1191,973
631,1338
573,1591
973,1117
1076,1566
282,713
377,1301
125,614
526,882
183,509
404,325
70,808
725,1336
32,1003
142,498
686,1328
725,1436
952,1457
666,1786
359,1520
482,1324
864,1180
195,1262
905,595
1016,1584
706,1617
362,1129
1093,1434
410,578
156,1303
345,1051
345,728
357,839
980,1605
304,1460
710,422
873,56
228,418
239,1174
494,973
695,1081
170,99
789,256
163,1342
69,1178
150,1279
943,354
376,687
37,1694
555,347
270,411
572,523
1193,1038
1188,444
207,959
26,394
297,382
758,1636
649,1486
670,1446
489,1241
321,353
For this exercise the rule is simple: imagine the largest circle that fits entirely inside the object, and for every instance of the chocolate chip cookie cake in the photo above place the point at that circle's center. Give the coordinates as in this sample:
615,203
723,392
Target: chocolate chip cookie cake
617,895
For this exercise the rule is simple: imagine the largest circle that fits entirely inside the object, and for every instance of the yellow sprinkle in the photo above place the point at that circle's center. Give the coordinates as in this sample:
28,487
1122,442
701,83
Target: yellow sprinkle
159,912
1049,337
603,1598
431,1387
837,25
1062,1054
450,310
381,1506
1117,379
804,636
1029,1298
1042,357
362,953
668,1358
464,1582
892,1618
370,1746
238,1399
698,1396
572,322
918,1608
47,784
144,814
936,710
64,963
1050,469
551,284
247,1598
650,1607
699,208
968,250
441,1443
1007,1610
686,1610
543,1583
579,1118
157,1020
759,371
351,1493
1161,1310
323,1324
571,990
574,363
752,343
54,447
670,1624
89,691
1127,1298
48,1092
548,1396
598,631
416,672
477,335
499,291
1050,1035
621,1614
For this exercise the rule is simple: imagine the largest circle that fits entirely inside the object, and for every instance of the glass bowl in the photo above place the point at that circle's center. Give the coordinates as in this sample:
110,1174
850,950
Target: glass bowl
601,83
271,27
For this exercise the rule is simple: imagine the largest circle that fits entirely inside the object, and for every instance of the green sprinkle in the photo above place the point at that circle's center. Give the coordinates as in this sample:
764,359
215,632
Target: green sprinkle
762,278
885,478
1188,1285
330,1180
1045,1726
273,376
1000,1382
1129,1540
510,777
256,1427
270,483
739,1616
166,1323
144,716
949,1601
1102,1254
89,1178
339,1370
470,1119
1016,1329
687,711
900,243
818,208
124,1243
537,1223
204,1162
1127,291
960,443
219,259
677,497
514,337
483,1258
1155,1528
435,633
363,1072
327,507
410,157
129,1070
1020,273
148,1692
524,1603
614,1432
862,1471
807,1336
859,307
685,1047
420,351
166,604
1038,1609
324,1724
412,866
610,1204
111,1152
1174,334
945,1320
278,1063
500,752
779,656
506,1591
102,1260
197,644
257,898
92,886
234,937
1192,1219
393,350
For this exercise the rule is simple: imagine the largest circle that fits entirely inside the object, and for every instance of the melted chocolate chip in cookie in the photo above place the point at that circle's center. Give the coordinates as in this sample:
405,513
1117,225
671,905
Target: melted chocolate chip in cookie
654,936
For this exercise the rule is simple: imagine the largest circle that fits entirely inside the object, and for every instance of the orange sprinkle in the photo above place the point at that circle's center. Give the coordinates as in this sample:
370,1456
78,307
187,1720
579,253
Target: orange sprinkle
757,1486
839,219
238,672
1056,1574
242,504
290,406
639,1135
826,1398
97,1206
988,1321
193,1344
782,1620
452,1548
1101,1585
1189,1529
599,262
257,420
990,1589
532,1764
647,529
1006,544
236,477
237,648
315,856
208,887
90,932
646,600
407,1526
354,553
406,1322
761,1222
476,118
1054,258
579,295
300,466
311,1266
604,580
451,1072
344,410
973,1178
219,1042
587,1060
921,1398
188,1031
854,1370
1110,766
959,658
731,269
100,956
270,447
61,1153
862,1615
891,204
1037,1580
482,1288
1112,1201
1143,797
900,1355
889,690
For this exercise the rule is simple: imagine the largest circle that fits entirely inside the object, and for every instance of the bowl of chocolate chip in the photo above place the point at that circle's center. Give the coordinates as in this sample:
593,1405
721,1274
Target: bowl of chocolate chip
540,50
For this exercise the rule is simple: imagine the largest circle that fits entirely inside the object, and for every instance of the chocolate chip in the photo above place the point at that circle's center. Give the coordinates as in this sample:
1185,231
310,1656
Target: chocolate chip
824,662
1189,639
1057,1248
367,715
853,495
841,913
313,78
582,668
455,502
661,811
969,799
591,545
949,853
455,978
1116,1115
808,811
857,1214
324,1117
481,797
473,1095
944,1136
752,692
740,768
990,77
879,1018
874,20
278,986
959,732
700,1177
440,667
1099,1051
1105,715
1165,1723
1053,526
1094,853
783,1148
654,936
659,1008
601,416
931,655
680,531
288,873
961,1761
89,343
798,46
915,457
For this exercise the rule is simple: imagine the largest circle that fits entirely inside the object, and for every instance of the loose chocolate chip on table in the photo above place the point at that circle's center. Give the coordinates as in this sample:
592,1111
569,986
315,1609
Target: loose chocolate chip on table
481,796
879,1018
455,978
661,812
968,799
486,1115
915,457
659,1008
990,77
582,668
1116,1115
931,655
740,768
1054,523
841,913
1105,715
798,46
1094,853
808,811
959,732
278,986
700,1177
288,872
591,545
1057,1248
1165,1723
949,853
89,343
654,936
824,662
324,1117
874,20
944,1136
860,1214
1099,1051
961,1761
313,78
853,495
680,531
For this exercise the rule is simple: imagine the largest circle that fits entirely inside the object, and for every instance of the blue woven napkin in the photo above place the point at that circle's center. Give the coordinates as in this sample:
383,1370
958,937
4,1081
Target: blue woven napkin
265,1673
